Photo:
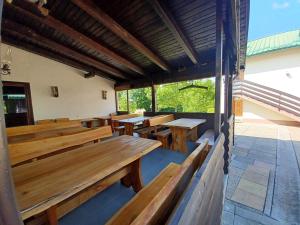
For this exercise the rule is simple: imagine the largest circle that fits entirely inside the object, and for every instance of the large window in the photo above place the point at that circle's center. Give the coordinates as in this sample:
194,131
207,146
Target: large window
140,100
122,100
186,96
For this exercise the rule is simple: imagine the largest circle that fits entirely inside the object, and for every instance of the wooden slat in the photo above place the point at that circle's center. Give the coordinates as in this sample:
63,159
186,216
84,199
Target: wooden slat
24,151
21,31
185,123
171,23
93,10
44,183
31,129
75,35
46,121
122,117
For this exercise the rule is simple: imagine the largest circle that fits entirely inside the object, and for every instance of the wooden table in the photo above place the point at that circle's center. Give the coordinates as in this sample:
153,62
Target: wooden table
88,121
46,134
181,129
131,122
42,184
103,120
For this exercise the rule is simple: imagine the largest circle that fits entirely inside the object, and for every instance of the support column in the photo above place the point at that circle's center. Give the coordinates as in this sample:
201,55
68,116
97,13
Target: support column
153,91
218,67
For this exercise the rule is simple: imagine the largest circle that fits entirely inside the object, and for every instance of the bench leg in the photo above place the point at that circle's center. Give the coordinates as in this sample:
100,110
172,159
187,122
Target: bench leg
129,129
164,141
194,134
52,216
134,178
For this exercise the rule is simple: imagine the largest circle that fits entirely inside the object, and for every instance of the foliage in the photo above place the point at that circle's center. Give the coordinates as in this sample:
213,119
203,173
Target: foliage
170,99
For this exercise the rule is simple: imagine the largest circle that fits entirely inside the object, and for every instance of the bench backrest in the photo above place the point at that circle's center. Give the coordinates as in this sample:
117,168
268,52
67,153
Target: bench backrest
122,117
58,120
159,209
203,203
21,152
30,129
46,121
158,120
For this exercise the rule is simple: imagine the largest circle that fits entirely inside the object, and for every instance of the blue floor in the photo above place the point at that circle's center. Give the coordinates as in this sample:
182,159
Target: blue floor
103,206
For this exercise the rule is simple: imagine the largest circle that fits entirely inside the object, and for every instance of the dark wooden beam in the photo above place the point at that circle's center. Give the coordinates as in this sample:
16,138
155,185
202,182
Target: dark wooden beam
171,23
73,34
218,67
27,33
13,41
94,11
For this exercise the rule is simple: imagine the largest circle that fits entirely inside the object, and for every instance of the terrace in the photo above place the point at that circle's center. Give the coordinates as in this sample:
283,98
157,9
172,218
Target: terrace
166,165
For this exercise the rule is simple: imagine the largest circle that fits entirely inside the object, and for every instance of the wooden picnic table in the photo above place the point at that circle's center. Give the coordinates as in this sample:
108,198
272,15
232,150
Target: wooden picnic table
46,134
182,129
43,184
88,121
103,120
131,122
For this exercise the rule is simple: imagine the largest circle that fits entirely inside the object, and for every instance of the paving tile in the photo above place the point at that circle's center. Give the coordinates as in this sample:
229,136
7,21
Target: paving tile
256,177
227,218
253,188
238,220
257,169
248,199
258,163
229,206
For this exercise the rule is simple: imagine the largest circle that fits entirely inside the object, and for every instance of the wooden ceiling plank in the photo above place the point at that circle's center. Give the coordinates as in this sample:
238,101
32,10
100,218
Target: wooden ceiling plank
61,49
94,11
172,25
76,36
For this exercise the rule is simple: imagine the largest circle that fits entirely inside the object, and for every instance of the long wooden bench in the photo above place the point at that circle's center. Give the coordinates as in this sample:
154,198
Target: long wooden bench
26,151
30,129
154,203
208,134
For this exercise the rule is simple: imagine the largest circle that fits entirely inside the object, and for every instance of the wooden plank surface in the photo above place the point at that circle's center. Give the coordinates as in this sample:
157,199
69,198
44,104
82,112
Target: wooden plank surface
134,120
30,129
122,117
44,183
23,151
185,123
158,120
46,134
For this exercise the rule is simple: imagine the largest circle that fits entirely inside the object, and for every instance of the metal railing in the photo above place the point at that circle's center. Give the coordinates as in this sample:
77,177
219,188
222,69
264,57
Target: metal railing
281,101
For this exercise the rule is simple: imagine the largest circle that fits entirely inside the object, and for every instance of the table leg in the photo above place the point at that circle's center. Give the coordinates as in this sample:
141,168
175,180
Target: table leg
102,122
129,129
194,134
89,124
179,139
134,178
52,216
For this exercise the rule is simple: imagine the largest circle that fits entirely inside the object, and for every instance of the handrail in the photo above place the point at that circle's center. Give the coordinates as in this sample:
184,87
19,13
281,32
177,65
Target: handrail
270,96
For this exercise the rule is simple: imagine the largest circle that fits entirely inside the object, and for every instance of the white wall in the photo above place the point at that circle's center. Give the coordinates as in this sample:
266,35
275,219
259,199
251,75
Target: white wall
78,97
271,70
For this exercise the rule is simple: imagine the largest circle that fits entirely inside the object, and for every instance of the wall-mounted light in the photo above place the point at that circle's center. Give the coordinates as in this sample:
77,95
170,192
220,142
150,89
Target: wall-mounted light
54,91
104,95
6,63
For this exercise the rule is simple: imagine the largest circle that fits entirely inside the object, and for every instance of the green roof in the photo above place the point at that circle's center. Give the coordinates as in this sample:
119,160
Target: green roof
276,42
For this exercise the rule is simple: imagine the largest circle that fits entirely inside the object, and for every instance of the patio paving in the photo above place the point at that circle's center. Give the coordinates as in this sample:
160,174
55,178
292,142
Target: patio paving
264,178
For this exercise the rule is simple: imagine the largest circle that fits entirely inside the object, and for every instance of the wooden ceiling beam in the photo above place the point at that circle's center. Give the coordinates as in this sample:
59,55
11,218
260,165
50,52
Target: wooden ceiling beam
166,16
13,41
74,34
97,13
25,32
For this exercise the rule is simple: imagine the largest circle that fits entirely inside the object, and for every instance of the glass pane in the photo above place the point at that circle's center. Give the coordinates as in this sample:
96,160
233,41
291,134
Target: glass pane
122,100
186,96
140,100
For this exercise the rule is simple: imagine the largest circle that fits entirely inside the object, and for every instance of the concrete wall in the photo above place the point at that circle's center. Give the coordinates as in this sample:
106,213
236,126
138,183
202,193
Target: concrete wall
279,70
78,97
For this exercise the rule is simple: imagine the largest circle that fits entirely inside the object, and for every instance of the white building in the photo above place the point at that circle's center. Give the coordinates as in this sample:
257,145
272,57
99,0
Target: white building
272,62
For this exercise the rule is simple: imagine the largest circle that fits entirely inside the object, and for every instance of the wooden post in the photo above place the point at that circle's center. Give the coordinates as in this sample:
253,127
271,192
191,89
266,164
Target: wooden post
153,91
218,68
127,101
9,213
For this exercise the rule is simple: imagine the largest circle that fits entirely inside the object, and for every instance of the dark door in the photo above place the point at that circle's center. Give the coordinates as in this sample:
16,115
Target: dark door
17,104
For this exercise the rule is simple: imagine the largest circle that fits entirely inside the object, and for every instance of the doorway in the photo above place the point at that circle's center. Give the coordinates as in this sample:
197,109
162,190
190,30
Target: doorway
17,104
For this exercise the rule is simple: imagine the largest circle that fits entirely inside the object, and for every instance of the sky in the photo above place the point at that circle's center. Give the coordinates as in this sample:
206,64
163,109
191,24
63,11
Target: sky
268,17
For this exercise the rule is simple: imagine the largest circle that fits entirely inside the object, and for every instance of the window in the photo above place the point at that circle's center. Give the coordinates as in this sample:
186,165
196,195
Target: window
122,100
140,100
186,96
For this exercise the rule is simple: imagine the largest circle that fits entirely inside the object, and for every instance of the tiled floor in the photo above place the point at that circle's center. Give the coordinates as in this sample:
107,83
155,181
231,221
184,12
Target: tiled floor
264,180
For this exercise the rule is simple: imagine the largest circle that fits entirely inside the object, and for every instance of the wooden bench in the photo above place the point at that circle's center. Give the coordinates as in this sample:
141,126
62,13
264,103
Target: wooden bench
208,134
155,202
27,151
162,135
58,120
117,126
46,121
31,129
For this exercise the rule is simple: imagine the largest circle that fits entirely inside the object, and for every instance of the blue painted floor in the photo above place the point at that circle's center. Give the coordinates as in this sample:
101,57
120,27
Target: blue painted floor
103,206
